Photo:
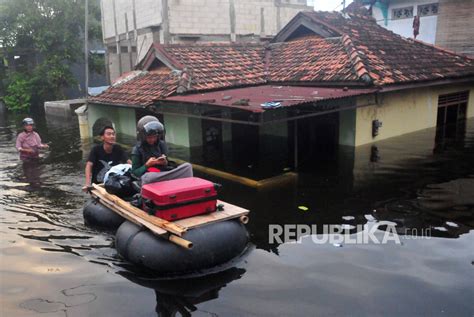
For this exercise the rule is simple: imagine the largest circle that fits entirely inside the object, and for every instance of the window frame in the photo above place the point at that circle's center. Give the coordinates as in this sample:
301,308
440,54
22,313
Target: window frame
403,16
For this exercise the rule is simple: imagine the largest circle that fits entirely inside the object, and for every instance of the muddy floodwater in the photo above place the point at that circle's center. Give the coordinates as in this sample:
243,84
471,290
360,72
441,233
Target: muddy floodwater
51,264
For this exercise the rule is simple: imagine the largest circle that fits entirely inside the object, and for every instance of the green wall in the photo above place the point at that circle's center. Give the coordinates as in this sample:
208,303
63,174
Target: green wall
123,119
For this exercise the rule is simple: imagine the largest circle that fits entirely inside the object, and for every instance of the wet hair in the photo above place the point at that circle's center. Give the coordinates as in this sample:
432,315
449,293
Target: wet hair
102,131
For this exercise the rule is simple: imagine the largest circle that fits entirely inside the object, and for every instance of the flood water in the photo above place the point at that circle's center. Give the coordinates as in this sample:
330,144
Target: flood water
51,264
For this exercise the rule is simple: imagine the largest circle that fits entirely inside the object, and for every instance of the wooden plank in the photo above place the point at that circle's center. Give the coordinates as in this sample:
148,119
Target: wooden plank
230,211
127,207
130,217
141,222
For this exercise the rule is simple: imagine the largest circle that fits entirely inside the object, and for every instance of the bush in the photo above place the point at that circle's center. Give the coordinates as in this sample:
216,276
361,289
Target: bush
18,94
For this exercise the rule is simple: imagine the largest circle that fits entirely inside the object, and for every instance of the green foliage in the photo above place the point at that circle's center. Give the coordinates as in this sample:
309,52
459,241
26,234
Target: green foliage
18,94
48,35
97,64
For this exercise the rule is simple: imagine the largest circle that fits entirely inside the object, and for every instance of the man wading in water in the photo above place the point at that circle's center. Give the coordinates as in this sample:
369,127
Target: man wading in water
103,156
28,144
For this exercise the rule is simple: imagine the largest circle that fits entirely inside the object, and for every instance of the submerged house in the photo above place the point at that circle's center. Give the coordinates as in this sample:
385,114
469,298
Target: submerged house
324,82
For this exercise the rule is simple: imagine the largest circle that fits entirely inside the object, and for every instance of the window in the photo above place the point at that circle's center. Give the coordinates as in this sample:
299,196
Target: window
452,107
402,13
427,9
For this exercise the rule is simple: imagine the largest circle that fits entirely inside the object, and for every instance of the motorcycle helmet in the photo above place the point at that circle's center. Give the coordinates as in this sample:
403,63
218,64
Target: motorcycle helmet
28,121
153,128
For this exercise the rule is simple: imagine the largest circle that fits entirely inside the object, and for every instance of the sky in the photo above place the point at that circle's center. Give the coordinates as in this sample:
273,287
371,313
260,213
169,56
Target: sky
329,5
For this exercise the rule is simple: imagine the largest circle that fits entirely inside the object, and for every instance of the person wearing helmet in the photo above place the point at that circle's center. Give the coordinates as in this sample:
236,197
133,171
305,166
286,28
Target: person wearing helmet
28,142
149,156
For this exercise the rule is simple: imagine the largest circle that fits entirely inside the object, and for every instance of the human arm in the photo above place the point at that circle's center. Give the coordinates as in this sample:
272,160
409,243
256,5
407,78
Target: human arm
89,168
138,169
19,144
39,142
88,172
124,155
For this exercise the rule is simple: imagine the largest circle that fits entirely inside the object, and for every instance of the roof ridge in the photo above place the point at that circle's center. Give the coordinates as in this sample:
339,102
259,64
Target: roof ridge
312,16
213,44
448,51
185,78
126,77
358,65
267,61
160,48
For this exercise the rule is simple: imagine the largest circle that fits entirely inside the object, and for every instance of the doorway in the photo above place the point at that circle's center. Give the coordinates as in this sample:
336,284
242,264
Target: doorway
452,112
316,141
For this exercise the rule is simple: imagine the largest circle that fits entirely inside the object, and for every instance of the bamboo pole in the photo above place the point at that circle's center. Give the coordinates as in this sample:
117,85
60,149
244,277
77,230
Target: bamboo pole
244,219
163,224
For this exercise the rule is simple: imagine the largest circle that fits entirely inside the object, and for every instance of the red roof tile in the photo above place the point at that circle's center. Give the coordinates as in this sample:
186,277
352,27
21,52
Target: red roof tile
212,66
140,89
361,53
390,58
311,59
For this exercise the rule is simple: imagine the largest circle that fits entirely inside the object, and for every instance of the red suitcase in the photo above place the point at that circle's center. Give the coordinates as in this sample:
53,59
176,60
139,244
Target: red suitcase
179,198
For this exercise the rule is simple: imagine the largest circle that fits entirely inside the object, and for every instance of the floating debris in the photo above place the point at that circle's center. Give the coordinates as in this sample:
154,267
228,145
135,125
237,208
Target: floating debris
369,218
452,224
271,105
348,217
337,245
303,208
241,102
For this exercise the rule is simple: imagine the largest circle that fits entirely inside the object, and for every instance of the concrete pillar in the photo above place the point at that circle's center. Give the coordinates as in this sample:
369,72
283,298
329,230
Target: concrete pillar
347,127
84,128
232,20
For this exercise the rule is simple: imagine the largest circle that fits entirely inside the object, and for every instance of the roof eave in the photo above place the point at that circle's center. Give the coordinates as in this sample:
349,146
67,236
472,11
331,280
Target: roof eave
120,105
421,84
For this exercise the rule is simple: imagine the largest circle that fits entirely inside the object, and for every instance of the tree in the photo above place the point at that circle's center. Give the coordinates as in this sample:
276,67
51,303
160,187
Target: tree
41,39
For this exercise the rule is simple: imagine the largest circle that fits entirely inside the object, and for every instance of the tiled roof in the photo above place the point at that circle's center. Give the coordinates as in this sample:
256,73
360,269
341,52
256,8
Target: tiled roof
140,88
311,59
215,65
361,52
390,58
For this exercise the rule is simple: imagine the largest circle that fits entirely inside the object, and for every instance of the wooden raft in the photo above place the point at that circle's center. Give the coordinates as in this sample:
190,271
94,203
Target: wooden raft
167,229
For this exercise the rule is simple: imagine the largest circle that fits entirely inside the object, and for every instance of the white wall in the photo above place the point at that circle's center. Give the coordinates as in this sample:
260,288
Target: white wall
404,27
148,13
199,16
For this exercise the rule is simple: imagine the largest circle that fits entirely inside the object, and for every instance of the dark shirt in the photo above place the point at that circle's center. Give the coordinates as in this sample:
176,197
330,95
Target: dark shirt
103,161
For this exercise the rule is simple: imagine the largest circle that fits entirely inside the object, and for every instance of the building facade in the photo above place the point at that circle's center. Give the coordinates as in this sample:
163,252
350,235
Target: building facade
130,27
445,23
326,84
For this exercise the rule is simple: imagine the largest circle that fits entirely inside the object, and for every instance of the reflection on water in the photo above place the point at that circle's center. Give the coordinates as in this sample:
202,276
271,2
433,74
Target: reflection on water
181,295
409,181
